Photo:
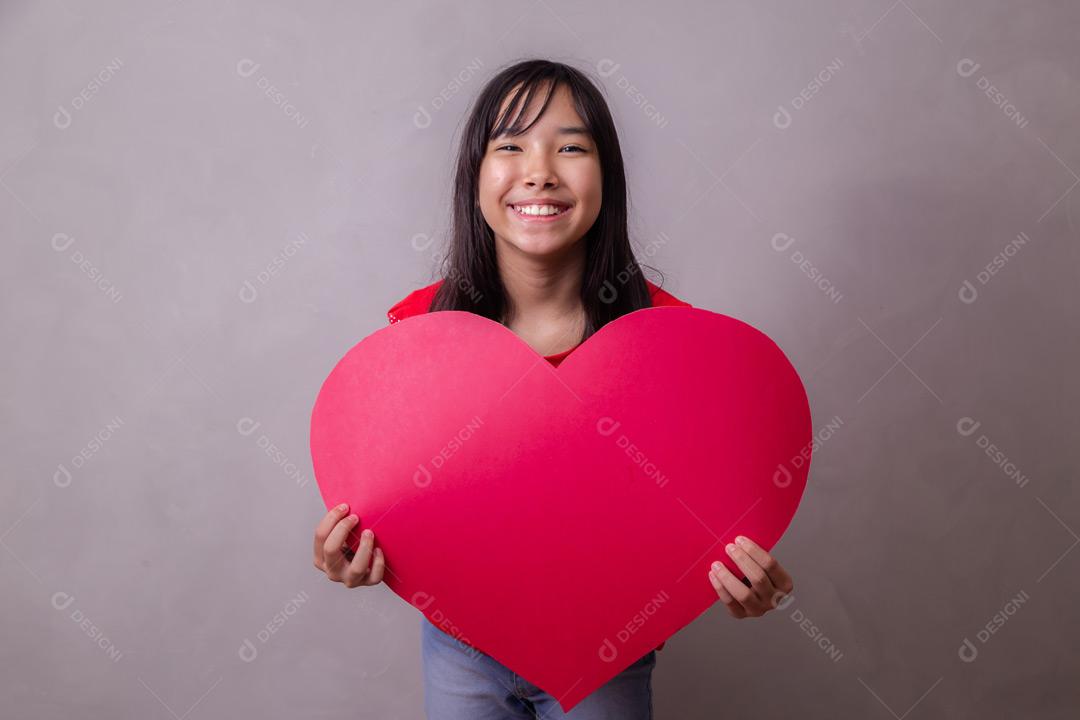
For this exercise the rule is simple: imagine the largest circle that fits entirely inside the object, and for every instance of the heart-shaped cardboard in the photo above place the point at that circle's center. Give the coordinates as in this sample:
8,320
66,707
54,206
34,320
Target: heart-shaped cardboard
563,520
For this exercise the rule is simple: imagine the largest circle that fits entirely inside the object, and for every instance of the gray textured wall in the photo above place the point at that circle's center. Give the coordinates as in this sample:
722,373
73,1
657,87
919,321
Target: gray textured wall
204,205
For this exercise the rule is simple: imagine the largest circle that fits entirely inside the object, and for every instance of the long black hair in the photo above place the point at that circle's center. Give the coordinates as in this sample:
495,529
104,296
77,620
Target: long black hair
612,284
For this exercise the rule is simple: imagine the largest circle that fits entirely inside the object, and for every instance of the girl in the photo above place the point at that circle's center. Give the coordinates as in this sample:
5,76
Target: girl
539,243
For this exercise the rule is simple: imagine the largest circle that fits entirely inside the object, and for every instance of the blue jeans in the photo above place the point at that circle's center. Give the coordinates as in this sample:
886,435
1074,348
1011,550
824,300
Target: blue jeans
462,683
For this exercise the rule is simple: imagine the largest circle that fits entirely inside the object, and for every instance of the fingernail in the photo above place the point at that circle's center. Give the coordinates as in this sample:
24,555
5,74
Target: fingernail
353,518
741,540
342,507
716,566
367,534
731,548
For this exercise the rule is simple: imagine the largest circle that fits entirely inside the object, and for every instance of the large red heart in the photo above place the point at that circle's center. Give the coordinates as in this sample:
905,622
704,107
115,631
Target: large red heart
563,520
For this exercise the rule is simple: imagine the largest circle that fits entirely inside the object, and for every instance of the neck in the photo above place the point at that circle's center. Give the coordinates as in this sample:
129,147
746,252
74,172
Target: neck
543,288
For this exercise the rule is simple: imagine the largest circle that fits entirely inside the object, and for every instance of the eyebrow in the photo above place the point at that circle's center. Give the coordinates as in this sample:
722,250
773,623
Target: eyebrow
570,130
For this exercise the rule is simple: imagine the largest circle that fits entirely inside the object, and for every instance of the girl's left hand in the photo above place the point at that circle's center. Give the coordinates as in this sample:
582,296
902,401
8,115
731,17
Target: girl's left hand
769,582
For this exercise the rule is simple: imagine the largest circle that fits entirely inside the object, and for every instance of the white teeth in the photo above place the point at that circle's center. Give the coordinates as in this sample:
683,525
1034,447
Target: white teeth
538,209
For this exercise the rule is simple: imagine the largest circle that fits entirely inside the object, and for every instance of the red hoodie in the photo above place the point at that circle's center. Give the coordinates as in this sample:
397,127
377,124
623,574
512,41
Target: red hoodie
419,301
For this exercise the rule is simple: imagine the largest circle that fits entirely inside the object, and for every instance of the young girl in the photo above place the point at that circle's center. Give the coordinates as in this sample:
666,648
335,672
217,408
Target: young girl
539,243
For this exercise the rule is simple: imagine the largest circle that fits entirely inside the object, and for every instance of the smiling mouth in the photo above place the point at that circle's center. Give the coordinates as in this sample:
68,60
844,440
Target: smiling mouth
540,211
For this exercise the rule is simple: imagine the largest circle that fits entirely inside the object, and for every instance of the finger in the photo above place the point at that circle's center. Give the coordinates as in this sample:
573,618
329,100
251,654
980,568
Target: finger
779,576
378,566
742,594
333,548
358,568
734,608
725,596
759,580
322,530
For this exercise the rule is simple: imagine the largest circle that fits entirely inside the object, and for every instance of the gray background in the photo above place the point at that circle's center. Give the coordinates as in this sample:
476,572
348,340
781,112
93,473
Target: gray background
187,255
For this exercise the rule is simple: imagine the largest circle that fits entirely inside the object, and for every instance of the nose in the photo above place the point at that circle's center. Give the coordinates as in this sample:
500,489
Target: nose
543,181
539,173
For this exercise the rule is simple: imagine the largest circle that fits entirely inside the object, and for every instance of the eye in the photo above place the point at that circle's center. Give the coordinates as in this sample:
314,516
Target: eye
576,148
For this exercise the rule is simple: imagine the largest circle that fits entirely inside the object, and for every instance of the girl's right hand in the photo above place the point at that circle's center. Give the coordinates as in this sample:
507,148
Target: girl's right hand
330,536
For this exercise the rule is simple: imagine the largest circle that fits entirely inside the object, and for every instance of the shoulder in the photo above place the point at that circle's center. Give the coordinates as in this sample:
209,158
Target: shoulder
662,298
415,303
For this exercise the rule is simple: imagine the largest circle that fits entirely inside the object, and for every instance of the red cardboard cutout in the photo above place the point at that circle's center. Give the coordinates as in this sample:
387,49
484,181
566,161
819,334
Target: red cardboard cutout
563,520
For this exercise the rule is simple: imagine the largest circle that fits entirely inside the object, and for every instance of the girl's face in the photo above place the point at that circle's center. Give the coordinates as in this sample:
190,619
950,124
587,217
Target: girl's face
554,163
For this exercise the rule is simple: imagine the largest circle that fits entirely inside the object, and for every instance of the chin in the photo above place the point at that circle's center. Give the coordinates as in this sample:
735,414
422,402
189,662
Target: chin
541,246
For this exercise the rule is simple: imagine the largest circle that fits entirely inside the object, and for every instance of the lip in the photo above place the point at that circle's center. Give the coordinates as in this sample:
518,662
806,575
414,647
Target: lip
540,218
540,201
